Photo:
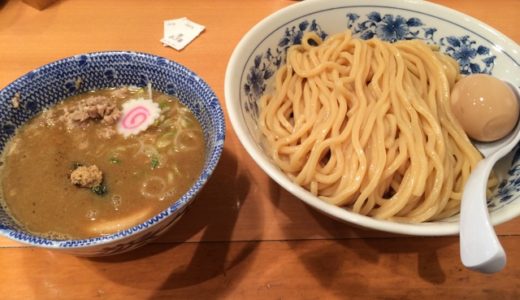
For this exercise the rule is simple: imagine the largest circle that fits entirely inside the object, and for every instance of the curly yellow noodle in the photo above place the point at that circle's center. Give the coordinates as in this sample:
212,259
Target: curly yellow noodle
368,125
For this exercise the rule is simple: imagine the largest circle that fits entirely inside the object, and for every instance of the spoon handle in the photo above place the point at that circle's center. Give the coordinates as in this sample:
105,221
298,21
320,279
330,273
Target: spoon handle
480,249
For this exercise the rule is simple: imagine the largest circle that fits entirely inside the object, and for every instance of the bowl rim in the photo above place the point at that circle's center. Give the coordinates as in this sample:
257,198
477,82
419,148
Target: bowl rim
264,28
211,161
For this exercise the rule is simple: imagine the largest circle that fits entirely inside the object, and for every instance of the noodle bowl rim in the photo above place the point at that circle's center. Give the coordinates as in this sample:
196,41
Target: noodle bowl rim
257,35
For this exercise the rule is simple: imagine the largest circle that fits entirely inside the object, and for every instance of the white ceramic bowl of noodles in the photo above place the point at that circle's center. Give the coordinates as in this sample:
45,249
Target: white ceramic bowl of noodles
477,47
56,81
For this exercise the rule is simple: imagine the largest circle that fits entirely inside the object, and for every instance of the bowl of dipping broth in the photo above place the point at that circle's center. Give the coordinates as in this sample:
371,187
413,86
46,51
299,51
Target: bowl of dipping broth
356,109
102,152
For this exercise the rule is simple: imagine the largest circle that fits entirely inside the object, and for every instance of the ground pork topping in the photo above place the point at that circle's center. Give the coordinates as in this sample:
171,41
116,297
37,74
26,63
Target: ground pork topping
94,108
86,176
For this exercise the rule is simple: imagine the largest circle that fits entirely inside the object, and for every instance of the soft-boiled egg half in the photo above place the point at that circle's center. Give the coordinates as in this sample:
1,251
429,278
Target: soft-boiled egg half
485,106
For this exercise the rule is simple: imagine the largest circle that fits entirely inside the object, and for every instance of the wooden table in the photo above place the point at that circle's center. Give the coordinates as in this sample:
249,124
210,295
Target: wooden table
244,237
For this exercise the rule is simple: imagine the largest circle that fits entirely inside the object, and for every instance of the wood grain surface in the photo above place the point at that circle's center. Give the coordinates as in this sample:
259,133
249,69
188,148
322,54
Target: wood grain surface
244,237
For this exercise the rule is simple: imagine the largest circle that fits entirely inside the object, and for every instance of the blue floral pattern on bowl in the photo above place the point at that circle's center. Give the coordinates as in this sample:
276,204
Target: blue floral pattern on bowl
509,187
388,27
472,58
265,65
56,81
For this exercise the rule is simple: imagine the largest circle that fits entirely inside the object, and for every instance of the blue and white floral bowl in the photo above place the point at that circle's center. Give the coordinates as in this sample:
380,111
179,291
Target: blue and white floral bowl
477,47
56,81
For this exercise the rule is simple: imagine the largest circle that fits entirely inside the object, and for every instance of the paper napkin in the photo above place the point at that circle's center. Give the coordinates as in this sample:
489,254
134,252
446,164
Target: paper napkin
180,32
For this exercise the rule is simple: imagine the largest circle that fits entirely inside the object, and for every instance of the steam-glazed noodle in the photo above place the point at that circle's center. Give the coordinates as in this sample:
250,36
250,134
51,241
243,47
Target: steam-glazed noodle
368,125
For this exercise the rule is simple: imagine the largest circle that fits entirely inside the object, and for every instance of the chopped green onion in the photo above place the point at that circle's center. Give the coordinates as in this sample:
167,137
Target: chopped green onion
134,88
186,122
115,160
164,105
100,189
166,139
163,142
154,162
76,165
167,123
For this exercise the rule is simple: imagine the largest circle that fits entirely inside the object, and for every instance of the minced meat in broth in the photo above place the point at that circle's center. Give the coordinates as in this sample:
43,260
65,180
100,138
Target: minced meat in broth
68,173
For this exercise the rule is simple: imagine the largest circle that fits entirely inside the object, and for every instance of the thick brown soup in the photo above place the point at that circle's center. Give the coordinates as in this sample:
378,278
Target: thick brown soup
68,173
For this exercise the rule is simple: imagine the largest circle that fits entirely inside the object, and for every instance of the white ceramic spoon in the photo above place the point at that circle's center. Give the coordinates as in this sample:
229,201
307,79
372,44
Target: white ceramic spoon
480,249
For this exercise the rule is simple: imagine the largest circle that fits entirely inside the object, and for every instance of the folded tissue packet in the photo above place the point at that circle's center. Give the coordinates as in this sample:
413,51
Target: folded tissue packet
180,32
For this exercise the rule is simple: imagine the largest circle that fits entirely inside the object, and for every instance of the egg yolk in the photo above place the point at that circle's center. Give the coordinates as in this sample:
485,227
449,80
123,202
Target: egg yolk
485,106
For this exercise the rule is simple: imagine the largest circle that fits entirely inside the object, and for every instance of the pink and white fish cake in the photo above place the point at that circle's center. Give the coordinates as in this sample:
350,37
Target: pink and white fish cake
137,115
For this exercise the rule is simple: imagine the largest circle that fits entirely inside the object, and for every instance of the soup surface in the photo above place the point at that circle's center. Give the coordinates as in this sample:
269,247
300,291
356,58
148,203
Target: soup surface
70,173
